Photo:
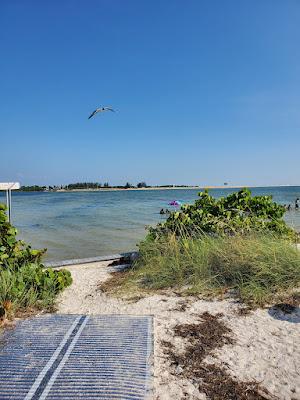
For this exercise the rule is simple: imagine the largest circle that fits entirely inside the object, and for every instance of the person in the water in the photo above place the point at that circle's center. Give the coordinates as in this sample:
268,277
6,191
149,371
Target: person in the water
297,203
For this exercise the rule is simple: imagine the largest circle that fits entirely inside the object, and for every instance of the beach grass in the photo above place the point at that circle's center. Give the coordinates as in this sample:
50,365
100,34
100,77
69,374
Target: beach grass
257,268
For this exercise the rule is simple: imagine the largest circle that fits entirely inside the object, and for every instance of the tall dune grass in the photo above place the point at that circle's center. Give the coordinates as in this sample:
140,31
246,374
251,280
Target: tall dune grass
257,267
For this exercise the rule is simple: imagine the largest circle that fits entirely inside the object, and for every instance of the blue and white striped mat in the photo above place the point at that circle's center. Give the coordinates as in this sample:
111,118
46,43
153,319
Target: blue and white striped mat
77,357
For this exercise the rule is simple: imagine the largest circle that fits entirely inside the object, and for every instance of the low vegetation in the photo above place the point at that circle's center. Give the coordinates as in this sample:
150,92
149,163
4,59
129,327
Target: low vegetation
254,267
24,282
238,245
238,213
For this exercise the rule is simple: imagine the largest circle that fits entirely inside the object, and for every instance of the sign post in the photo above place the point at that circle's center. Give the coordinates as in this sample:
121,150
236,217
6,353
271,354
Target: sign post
8,187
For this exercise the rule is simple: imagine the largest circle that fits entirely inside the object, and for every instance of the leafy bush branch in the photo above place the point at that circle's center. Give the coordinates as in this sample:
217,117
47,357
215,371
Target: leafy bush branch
24,282
237,213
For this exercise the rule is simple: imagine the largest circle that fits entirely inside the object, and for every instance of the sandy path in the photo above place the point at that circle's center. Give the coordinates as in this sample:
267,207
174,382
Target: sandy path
267,349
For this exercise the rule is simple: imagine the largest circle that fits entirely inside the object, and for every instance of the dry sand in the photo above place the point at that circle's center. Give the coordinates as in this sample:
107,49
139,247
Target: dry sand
267,347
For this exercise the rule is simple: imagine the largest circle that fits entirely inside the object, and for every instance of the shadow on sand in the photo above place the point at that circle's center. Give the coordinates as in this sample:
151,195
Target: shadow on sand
285,312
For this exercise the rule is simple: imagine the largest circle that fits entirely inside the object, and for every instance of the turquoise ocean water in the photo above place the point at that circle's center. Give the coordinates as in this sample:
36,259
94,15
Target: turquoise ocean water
86,224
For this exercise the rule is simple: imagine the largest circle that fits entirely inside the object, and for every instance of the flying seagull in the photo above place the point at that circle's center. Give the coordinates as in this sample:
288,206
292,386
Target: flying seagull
101,109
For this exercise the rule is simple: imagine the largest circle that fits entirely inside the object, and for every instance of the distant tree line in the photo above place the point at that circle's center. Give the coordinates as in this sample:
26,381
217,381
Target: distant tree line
34,188
80,185
83,185
91,185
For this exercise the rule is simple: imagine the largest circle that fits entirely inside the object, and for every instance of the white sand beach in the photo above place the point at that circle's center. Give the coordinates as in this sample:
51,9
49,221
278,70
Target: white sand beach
266,348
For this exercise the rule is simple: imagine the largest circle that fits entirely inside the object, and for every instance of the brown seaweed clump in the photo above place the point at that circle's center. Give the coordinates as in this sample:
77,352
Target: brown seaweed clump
213,380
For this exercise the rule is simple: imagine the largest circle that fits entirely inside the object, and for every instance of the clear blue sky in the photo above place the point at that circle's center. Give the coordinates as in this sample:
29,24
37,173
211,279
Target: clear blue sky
206,91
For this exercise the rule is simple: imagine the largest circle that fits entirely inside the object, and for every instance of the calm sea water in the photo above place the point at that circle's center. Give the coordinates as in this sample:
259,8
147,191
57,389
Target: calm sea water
86,224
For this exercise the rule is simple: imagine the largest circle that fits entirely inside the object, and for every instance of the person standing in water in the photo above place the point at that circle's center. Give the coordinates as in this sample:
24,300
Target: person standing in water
297,203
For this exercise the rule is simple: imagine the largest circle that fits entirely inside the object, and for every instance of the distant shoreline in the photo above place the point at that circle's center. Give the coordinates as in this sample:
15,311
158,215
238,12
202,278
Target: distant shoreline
127,189
149,188
115,189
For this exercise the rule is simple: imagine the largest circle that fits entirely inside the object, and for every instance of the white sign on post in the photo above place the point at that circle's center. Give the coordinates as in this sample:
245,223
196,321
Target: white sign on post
8,187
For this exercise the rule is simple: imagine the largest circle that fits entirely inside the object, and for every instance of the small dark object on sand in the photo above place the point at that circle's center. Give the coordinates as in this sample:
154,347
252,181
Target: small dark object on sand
2,313
119,261
243,311
182,305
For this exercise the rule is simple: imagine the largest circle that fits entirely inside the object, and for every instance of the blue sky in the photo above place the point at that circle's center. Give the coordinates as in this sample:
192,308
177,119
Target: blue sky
206,91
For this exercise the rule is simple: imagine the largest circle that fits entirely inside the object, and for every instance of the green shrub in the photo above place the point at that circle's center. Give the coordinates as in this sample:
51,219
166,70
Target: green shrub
14,252
258,267
24,282
238,242
237,213
31,286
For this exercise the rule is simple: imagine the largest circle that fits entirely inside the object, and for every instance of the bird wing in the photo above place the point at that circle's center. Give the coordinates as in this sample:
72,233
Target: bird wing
93,113
109,109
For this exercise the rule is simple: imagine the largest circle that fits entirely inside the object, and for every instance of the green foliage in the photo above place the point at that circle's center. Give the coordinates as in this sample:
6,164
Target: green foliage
128,185
23,279
259,267
34,188
31,286
239,243
83,185
237,213
141,185
14,252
